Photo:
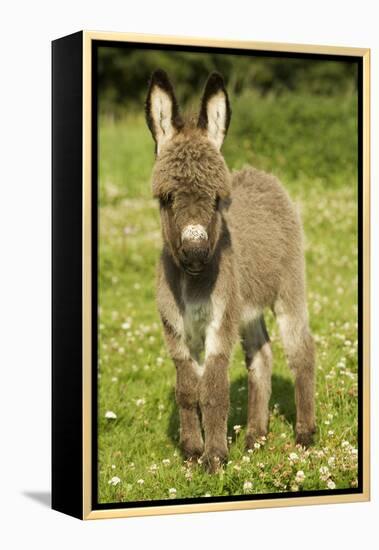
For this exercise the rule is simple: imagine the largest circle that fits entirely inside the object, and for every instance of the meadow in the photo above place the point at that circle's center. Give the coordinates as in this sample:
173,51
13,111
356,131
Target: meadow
310,143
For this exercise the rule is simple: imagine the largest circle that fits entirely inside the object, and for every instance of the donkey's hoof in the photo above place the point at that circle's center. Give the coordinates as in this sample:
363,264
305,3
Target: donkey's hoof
213,460
191,449
305,439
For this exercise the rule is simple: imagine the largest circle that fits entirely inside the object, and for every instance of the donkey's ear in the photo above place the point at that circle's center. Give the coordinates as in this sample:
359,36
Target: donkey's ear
162,111
215,110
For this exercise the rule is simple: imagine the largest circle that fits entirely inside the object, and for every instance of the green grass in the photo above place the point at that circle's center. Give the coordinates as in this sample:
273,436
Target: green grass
310,143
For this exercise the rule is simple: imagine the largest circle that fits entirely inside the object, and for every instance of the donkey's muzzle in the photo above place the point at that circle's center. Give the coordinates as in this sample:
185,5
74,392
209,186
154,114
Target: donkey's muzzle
194,249
194,257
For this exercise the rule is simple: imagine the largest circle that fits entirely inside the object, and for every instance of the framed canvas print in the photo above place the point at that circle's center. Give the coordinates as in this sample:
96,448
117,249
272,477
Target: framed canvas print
210,275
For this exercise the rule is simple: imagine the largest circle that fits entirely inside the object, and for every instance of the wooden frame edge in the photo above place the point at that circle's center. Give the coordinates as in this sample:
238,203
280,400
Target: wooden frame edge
88,513
225,506
221,43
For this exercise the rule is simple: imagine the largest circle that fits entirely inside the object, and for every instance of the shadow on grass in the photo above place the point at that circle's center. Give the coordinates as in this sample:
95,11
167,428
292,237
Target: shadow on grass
282,393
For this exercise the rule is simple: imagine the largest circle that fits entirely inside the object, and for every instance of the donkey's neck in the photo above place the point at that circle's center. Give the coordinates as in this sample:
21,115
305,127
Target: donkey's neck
198,289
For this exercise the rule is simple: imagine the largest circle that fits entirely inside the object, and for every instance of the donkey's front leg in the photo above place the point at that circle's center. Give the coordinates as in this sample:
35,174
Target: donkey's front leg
187,398
187,392
214,403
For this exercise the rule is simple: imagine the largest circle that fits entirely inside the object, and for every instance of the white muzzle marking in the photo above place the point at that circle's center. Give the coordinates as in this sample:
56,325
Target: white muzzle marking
194,233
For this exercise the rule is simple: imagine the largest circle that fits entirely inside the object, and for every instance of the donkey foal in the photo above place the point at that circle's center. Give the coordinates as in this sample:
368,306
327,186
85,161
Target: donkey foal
232,246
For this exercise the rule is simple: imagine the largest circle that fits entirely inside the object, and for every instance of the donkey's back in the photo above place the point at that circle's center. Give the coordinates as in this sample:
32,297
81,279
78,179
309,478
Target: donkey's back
267,237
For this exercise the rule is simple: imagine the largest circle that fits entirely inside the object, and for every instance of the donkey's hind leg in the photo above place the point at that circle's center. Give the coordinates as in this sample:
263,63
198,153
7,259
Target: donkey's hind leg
258,357
300,351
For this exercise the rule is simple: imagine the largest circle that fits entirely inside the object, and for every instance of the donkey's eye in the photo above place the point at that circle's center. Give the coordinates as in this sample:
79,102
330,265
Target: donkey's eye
166,200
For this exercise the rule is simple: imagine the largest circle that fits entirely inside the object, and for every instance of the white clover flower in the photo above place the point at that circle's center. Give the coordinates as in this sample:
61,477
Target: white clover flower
207,495
319,454
331,485
166,461
114,379
294,488
245,459
110,415
345,444
113,466
324,473
237,428
247,487
237,467
140,481
331,461
140,402
330,433
114,481
172,492
300,476
293,457
283,435
153,468
126,325
257,445
159,361
121,350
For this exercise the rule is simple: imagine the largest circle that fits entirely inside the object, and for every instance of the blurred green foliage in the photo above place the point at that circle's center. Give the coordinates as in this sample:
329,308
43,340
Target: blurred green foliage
123,75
